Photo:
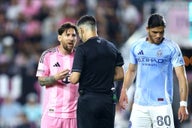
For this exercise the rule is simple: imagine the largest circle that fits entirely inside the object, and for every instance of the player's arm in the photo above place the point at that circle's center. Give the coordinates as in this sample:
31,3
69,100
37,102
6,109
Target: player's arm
128,80
183,84
119,73
129,77
50,80
46,81
74,77
183,90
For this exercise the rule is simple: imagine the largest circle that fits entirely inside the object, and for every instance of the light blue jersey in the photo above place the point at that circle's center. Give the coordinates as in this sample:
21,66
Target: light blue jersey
154,81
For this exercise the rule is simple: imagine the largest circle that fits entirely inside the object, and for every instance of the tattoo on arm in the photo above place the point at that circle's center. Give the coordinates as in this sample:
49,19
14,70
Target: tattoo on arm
47,81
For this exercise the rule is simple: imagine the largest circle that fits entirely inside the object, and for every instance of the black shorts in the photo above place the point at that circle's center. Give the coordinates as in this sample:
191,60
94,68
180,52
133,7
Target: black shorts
95,110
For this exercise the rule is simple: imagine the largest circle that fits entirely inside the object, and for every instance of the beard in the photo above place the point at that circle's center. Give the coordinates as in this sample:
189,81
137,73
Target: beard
155,41
68,49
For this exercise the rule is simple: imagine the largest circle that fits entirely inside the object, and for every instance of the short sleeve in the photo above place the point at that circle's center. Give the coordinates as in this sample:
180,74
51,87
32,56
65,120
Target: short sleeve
78,60
42,69
132,57
177,58
120,61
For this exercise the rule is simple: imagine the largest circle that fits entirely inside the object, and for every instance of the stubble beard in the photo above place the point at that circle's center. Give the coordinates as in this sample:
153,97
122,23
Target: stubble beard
153,41
69,50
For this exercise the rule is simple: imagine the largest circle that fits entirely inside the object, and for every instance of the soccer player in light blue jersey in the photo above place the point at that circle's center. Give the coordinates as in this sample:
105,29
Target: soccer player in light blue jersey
152,60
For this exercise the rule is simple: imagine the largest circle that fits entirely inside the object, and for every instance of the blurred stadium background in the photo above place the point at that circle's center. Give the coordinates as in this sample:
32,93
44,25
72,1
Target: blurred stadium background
27,27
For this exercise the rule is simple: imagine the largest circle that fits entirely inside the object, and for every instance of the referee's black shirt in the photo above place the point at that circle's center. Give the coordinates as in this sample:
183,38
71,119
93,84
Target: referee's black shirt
96,60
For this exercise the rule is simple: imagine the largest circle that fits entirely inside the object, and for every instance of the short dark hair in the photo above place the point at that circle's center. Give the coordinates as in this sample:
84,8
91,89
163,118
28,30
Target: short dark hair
156,20
86,19
65,27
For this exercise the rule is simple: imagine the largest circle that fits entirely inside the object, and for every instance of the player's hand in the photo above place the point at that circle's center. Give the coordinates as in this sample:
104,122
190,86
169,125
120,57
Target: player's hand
66,80
123,100
61,75
183,113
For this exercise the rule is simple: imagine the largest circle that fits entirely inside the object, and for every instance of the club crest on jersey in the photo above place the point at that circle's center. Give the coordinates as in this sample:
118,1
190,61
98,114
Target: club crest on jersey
159,53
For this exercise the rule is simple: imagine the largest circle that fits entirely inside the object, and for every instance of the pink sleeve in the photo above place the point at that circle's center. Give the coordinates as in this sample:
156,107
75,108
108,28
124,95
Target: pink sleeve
43,66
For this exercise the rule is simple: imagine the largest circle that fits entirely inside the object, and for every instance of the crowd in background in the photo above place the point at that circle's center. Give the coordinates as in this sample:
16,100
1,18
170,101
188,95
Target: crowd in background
27,27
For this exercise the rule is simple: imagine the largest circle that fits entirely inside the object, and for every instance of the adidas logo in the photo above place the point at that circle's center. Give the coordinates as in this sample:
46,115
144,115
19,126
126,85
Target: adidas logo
56,65
140,53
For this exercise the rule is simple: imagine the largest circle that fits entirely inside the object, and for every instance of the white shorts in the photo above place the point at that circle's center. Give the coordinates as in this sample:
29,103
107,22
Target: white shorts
151,117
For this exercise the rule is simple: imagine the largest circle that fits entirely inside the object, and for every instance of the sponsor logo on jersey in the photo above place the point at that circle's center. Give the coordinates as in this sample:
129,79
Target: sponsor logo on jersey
153,60
140,52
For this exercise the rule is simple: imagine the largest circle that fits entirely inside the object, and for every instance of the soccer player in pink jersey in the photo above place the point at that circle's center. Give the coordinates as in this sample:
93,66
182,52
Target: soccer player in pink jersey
60,96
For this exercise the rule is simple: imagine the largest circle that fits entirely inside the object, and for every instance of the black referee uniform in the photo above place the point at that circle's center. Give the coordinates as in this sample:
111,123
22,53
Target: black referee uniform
96,60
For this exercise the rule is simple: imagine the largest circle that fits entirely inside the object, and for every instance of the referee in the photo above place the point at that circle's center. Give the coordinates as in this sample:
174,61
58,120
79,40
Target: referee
96,65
